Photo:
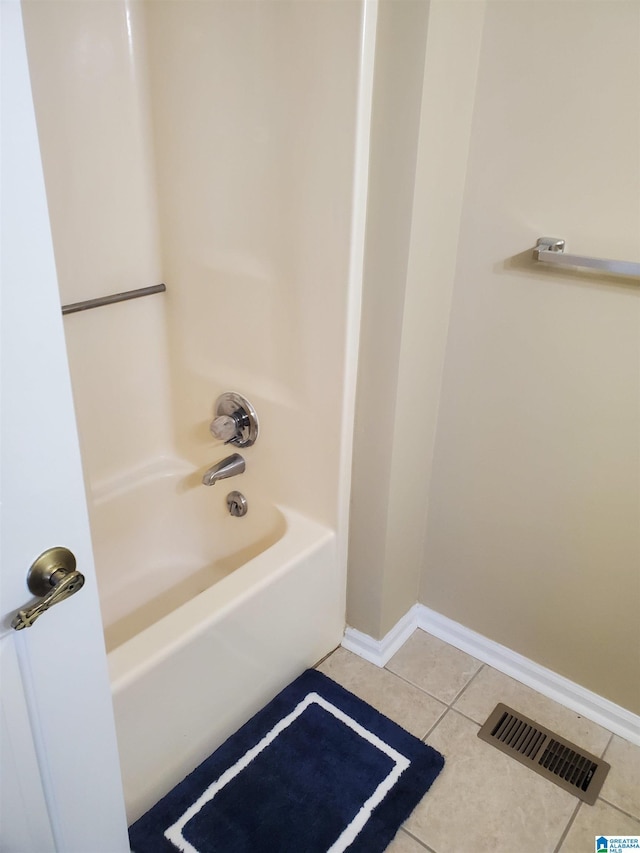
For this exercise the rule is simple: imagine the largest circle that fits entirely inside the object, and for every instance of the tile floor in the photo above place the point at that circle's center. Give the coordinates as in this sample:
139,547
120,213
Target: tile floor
483,801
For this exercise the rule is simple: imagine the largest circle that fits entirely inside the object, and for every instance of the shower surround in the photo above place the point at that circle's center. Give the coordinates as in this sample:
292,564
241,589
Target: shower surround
210,146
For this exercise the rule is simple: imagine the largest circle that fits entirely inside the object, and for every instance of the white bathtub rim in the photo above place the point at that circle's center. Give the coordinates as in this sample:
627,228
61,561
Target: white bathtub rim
130,661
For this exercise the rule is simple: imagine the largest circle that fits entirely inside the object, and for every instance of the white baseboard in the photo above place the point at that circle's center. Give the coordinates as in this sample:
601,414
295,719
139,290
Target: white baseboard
613,717
381,651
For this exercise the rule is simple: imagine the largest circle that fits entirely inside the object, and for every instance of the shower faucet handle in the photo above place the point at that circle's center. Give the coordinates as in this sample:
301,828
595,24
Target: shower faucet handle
225,428
236,421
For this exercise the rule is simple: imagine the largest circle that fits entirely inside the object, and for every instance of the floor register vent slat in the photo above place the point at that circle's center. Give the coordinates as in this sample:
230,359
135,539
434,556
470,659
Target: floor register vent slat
562,762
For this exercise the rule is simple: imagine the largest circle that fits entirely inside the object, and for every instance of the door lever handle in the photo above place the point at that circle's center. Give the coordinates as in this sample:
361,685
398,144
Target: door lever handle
52,578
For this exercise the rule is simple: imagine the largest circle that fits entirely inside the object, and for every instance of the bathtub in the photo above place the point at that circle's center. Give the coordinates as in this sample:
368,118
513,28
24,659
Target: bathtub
206,616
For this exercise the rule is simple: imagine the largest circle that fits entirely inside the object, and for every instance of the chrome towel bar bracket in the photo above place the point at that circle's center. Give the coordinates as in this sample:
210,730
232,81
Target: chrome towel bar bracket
550,250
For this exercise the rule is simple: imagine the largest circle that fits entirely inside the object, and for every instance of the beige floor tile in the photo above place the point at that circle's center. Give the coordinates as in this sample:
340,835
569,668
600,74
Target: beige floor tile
622,785
434,666
491,687
592,821
404,843
484,801
401,702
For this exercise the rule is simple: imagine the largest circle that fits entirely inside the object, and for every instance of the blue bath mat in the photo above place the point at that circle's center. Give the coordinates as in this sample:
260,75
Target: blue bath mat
315,771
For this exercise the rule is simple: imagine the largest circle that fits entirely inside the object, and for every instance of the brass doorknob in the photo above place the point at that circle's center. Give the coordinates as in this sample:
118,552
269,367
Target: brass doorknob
53,578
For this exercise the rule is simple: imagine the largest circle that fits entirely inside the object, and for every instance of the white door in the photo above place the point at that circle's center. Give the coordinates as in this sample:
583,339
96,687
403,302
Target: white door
60,779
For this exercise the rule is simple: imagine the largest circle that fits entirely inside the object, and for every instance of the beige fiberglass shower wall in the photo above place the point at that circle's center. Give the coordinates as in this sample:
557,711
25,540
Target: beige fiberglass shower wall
514,445
254,129
88,76
210,146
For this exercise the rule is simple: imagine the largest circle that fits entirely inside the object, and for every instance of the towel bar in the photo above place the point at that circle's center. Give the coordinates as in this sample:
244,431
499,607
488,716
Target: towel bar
551,251
86,304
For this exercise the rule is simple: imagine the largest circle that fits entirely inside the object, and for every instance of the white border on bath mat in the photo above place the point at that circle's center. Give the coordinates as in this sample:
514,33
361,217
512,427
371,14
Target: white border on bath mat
602,711
353,829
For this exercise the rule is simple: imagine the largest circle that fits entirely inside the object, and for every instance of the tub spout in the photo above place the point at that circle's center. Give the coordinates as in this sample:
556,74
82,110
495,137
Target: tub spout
228,467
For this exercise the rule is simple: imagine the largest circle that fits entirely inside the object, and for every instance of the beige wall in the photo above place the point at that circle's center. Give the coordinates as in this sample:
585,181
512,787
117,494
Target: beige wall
378,580
453,40
509,463
420,140
533,534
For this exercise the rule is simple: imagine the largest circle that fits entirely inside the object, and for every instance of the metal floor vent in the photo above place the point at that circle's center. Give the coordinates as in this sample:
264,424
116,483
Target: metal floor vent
550,755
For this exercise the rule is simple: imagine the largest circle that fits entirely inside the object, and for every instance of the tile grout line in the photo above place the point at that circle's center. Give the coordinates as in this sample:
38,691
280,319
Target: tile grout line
466,717
608,744
323,659
492,668
413,684
604,799
441,718
435,725
448,706
417,840
444,702
567,828
472,679
619,809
